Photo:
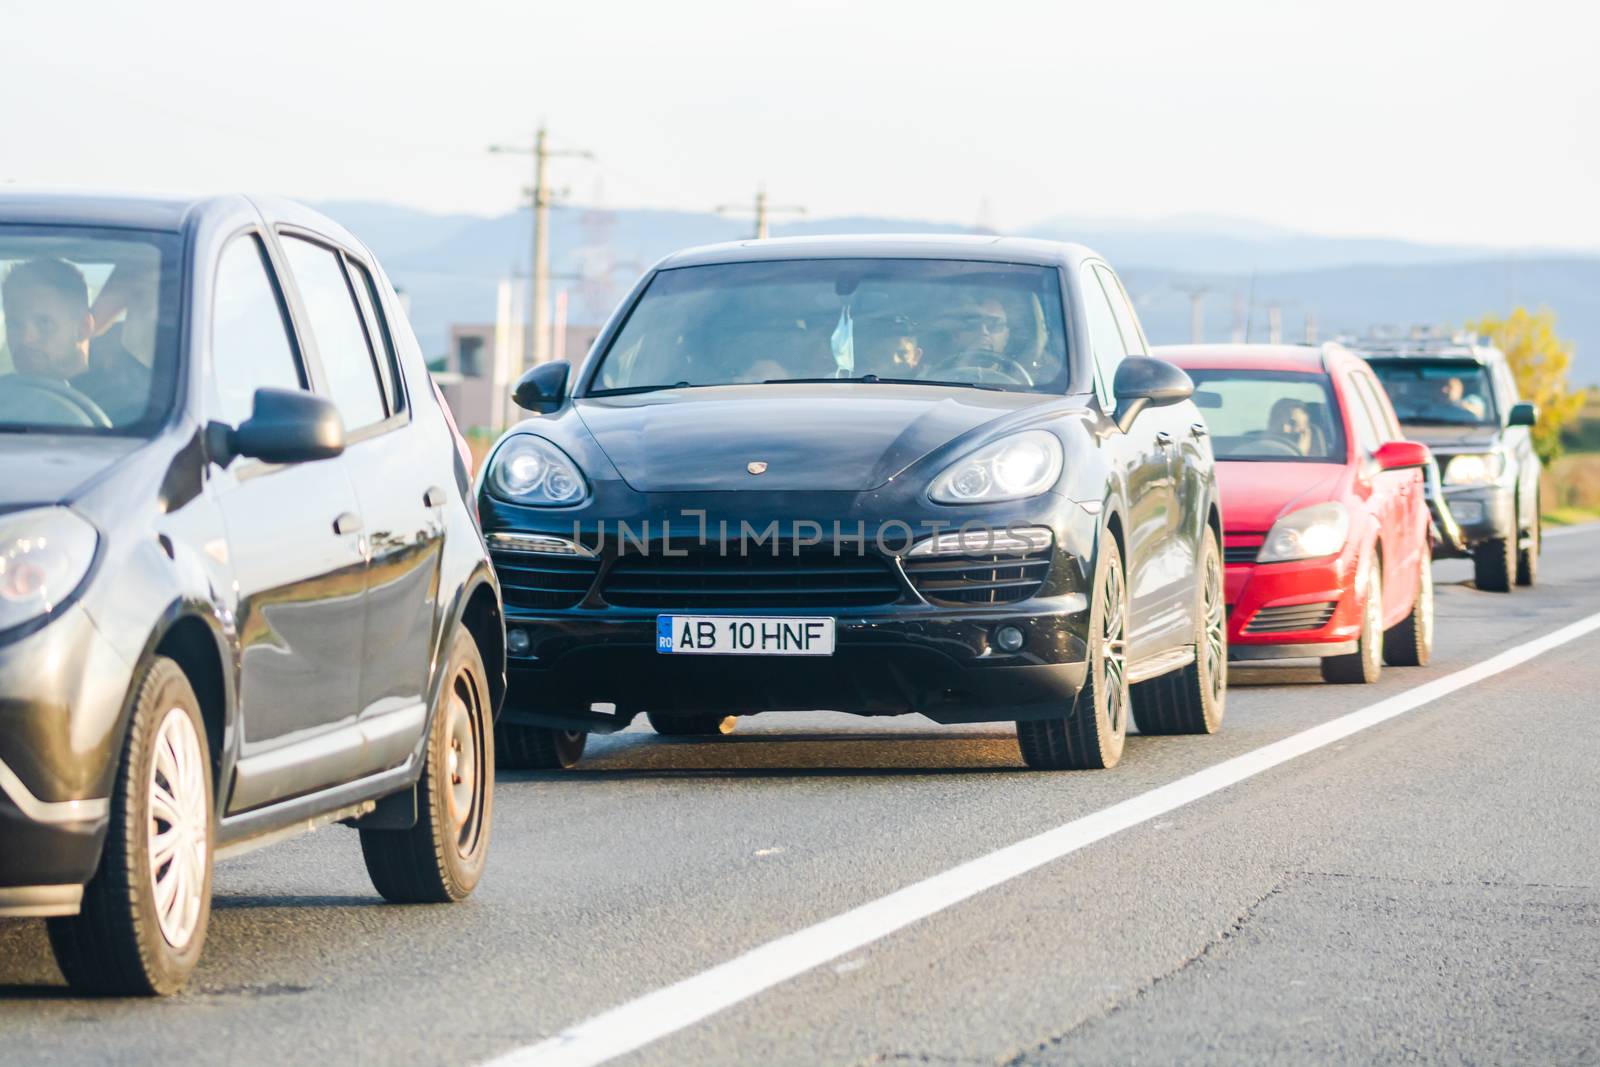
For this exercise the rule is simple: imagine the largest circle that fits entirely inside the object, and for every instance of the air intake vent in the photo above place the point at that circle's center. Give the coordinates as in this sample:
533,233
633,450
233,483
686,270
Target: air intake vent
990,579
1291,619
528,580
704,580
1240,553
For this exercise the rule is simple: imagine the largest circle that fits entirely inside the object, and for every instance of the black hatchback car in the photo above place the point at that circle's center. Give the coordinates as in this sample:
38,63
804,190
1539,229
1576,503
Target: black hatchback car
242,591
873,475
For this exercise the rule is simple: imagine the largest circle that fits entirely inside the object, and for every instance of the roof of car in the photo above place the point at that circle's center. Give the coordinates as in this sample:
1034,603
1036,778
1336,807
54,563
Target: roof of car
144,211
1304,358
978,247
99,208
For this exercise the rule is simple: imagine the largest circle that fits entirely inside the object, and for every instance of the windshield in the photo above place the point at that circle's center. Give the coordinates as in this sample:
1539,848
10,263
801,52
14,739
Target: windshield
1438,391
1276,416
994,325
88,329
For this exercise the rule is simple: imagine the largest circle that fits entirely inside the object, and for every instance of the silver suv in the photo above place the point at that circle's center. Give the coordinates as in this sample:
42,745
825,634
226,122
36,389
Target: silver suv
1457,395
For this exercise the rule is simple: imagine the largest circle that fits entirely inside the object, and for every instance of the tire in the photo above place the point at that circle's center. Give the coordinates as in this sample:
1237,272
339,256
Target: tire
1494,565
441,858
1092,733
1365,664
1409,642
669,725
1192,700
1528,558
127,940
538,748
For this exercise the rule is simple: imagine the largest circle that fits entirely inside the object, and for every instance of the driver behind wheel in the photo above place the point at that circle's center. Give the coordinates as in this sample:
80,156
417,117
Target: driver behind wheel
48,328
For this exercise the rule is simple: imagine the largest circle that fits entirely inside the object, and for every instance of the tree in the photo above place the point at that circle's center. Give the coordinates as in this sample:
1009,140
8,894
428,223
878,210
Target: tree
1539,360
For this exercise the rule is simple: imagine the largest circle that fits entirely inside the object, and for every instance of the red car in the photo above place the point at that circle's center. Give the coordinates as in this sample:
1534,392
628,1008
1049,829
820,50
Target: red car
1326,540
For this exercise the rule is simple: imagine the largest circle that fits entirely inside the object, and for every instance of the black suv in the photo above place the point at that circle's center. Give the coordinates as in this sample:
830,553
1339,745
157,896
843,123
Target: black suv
1457,395
878,475
242,591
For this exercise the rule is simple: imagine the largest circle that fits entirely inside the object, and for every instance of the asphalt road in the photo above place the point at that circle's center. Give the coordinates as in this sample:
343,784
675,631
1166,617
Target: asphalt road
1424,889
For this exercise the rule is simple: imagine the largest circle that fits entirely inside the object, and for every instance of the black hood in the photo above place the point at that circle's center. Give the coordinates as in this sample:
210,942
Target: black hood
850,437
44,468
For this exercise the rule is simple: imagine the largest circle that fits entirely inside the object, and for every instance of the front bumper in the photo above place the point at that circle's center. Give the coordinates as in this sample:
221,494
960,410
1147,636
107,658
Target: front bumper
1483,512
907,653
62,694
941,665
1302,608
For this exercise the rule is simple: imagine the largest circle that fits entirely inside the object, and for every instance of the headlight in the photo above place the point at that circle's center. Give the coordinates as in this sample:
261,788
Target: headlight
1319,530
1012,468
531,470
1473,469
44,555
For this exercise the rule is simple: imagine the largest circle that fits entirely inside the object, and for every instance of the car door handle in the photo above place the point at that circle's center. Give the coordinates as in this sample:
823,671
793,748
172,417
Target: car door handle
434,497
348,523
1198,429
1164,439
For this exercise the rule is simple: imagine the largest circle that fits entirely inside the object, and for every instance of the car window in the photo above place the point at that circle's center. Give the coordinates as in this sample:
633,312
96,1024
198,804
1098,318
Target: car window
1441,391
900,320
250,342
1122,307
1270,416
378,334
341,337
1105,338
1368,434
88,329
1382,412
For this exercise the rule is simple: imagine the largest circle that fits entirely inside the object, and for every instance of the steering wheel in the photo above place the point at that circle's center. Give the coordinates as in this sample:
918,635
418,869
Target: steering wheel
1271,443
983,367
45,401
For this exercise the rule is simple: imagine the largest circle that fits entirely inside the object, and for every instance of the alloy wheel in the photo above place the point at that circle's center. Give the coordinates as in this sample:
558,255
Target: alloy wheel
1114,656
1216,650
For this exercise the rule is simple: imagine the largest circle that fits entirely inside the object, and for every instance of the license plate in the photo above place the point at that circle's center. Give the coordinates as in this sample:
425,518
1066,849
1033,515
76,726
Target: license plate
727,635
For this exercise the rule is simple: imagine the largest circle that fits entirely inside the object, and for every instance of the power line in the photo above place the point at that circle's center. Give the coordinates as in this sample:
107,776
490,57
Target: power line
540,196
761,211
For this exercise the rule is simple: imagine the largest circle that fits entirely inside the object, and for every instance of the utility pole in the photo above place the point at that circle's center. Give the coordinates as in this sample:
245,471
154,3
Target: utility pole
761,212
1197,318
540,196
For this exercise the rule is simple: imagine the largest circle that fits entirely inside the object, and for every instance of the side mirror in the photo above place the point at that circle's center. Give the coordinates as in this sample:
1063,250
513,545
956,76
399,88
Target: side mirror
1143,382
1523,414
289,426
544,388
1401,455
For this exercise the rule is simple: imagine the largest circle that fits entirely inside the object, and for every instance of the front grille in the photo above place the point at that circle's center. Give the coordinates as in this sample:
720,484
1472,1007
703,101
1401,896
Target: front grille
701,580
1240,553
1291,618
990,579
528,580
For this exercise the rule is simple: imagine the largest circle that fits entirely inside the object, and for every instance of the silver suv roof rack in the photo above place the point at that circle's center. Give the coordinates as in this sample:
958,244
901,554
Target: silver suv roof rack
1422,342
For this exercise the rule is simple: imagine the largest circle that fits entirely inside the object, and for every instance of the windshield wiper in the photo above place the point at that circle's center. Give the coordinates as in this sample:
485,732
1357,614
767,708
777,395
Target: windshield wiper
630,390
873,379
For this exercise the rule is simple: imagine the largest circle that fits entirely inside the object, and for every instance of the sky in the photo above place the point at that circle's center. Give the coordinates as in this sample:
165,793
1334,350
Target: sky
1461,123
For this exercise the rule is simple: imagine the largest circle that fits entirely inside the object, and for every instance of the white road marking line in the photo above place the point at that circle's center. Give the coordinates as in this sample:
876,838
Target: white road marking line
1567,531
639,1022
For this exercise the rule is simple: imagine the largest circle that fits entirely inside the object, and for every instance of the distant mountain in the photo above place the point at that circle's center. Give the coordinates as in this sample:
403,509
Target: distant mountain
450,264
1351,299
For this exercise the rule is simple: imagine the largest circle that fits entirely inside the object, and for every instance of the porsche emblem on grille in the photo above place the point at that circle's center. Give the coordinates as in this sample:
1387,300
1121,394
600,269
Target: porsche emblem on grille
756,466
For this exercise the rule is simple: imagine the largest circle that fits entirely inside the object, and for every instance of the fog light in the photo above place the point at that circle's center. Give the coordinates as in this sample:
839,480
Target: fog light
518,642
1008,639
1467,512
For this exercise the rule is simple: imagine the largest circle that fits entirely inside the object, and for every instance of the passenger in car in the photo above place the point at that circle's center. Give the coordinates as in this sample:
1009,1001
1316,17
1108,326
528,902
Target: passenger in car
122,355
48,330
1290,422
